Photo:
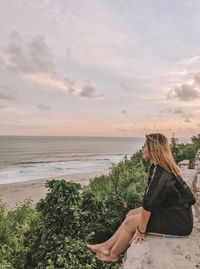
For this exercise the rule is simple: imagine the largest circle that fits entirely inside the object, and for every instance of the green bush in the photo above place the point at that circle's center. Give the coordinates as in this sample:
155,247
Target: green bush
68,219
13,227
185,151
124,176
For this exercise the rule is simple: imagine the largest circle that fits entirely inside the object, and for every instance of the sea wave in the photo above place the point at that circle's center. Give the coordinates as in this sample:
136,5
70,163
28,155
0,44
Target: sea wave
67,160
40,170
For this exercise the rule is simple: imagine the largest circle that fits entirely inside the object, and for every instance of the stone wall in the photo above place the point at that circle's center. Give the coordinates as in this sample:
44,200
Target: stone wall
171,253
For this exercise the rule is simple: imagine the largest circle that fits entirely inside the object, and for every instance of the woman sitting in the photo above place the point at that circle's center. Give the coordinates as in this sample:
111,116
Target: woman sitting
166,205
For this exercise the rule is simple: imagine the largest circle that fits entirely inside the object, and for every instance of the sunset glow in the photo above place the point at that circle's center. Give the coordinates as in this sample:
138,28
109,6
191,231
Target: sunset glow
99,68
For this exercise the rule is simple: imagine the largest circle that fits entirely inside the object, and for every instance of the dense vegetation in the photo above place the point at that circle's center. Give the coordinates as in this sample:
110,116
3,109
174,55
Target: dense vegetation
54,233
183,151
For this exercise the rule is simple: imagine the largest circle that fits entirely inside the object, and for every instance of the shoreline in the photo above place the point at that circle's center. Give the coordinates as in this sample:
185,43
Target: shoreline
12,194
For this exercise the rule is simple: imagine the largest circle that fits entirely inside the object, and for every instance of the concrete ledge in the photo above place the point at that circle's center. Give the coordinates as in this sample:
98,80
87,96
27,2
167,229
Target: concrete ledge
162,253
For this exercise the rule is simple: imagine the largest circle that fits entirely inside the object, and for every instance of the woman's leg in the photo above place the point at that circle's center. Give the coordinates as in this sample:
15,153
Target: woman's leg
129,227
135,211
110,242
107,245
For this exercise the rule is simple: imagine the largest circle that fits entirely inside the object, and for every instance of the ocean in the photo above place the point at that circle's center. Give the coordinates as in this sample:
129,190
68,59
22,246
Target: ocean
24,158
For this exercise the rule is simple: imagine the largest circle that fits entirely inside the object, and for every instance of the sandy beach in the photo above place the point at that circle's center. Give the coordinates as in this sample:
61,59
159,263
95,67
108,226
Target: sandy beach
15,193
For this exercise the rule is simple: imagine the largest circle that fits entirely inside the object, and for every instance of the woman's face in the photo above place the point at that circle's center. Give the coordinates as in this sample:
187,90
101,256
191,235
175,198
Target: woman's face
146,153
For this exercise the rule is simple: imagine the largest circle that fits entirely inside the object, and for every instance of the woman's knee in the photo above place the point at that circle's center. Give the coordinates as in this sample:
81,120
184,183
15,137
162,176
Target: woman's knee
134,212
130,213
131,223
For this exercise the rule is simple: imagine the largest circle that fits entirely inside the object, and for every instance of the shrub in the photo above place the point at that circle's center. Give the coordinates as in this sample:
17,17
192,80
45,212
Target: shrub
13,227
185,151
58,238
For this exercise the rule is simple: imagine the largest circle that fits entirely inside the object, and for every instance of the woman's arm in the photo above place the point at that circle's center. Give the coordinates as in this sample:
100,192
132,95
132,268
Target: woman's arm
142,226
144,220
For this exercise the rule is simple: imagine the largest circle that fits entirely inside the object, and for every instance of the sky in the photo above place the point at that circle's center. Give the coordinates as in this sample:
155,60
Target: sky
100,67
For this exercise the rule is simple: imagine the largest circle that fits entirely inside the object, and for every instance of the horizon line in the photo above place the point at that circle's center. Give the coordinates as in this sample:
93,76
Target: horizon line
86,136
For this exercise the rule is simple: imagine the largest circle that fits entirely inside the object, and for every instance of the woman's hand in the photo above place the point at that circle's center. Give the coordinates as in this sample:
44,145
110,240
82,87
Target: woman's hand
137,237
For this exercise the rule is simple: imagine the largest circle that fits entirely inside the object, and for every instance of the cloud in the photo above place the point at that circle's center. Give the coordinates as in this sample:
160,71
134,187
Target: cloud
186,83
89,92
29,56
1,61
6,96
187,117
43,107
2,107
187,120
70,85
184,92
192,60
6,93
124,111
178,110
66,85
126,87
33,60
48,80
197,78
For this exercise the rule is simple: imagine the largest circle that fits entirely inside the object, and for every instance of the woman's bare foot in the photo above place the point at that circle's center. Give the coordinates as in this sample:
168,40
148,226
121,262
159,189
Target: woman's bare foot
99,248
107,258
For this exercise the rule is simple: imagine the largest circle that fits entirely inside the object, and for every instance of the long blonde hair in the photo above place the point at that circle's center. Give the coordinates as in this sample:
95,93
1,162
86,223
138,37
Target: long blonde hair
160,152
